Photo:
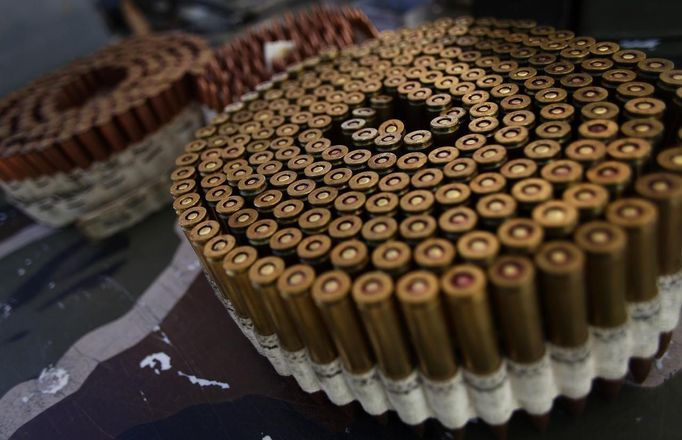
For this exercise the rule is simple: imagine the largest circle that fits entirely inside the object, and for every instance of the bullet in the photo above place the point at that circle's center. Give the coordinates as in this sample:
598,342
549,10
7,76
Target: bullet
263,275
559,131
350,256
586,152
392,257
373,294
434,254
439,157
315,221
416,228
531,192
200,234
604,247
562,289
444,129
192,217
493,209
486,126
634,90
487,183
520,236
638,218
350,203
473,98
501,91
468,306
182,187
562,174
237,264
600,110
239,222
644,108
259,232
478,247
542,151
650,68
665,191
515,300
557,218
588,198
345,227
614,176
611,79
357,159
214,253
411,162
518,169
282,179
648,129
633,151
587,95
294,285
383,105
285,242
317,146
561,286
300,189
670,160
331,292
457,221
266,201
596,66
185,202
418,293
417,202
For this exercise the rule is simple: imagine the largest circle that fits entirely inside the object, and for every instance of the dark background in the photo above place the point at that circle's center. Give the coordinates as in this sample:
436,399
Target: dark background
37,36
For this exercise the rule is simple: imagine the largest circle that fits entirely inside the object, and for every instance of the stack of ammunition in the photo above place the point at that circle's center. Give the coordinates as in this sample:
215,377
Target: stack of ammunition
241,64
78,138
452,221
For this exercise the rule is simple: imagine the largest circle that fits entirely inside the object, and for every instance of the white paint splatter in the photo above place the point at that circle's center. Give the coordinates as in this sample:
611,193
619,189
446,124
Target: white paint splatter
659,362
204,382
51,285
52,380
21,271
164,336
25,399
28,262
5,310
648,43
162,362
157,361
143,396
267,437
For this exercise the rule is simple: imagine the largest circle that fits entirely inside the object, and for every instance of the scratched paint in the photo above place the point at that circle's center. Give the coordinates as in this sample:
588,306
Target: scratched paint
52,380
162,362
158,362
204,382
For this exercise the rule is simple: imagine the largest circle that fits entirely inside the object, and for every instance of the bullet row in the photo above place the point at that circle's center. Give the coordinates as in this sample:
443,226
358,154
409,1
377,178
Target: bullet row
240,65
456,220
97,106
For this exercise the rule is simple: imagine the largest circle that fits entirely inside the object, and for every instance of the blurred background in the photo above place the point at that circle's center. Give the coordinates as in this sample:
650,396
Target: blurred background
37,36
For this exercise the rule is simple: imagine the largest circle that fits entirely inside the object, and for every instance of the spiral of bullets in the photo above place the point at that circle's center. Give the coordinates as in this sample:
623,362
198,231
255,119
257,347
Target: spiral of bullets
240,65
57,133
453,221
97,105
